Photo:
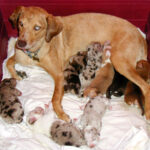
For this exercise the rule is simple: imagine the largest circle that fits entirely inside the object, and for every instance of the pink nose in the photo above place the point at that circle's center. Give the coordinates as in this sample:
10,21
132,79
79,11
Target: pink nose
21,43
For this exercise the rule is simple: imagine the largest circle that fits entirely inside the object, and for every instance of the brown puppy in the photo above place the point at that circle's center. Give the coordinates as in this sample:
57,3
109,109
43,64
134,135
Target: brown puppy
49,41
132,92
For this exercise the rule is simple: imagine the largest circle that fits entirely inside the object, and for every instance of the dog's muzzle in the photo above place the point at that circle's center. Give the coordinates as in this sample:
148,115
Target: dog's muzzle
21,44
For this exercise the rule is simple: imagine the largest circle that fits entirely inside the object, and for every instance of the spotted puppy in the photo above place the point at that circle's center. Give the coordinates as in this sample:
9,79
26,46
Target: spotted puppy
10,107
67,134
91,120
82,67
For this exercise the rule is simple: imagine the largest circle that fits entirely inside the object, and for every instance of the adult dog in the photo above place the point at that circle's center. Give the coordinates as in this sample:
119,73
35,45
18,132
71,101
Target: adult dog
49,41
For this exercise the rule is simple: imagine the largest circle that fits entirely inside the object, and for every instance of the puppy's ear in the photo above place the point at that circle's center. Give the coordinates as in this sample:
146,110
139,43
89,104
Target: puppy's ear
54,27
15,16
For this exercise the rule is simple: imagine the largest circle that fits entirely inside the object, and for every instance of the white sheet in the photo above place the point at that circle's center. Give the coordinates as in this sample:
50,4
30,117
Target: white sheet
123,128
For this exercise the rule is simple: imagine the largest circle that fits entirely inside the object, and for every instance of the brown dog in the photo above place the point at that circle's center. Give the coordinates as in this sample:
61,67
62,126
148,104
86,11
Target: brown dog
132,93
49,41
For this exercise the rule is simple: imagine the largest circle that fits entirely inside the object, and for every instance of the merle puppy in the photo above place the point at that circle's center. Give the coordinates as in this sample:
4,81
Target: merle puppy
91,120
82,67
10,107
67,134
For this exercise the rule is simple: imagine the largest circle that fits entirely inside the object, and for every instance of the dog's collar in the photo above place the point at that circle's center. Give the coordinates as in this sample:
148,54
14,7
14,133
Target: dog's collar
32,55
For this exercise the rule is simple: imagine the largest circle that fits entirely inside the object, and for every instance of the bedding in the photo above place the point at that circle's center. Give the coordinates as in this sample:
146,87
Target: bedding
123,127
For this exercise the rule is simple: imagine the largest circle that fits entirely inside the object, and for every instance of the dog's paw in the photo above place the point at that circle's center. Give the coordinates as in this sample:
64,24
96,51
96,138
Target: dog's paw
35,114
64,117
21,74
90,92
147,114
130,99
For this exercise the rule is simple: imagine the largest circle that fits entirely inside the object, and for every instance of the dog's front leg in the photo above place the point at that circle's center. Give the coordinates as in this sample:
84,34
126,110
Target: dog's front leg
57,97
11,67
101,82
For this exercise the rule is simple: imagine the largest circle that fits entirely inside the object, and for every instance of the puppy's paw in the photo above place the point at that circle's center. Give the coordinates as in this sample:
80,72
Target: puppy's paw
35,114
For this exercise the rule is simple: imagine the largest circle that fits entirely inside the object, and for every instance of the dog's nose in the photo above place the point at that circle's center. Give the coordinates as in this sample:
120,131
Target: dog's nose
21,43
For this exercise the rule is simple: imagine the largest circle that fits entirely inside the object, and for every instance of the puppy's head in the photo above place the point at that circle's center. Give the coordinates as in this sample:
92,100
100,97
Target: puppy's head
35,26
10,82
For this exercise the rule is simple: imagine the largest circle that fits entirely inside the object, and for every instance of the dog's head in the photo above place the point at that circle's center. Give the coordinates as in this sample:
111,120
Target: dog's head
35,26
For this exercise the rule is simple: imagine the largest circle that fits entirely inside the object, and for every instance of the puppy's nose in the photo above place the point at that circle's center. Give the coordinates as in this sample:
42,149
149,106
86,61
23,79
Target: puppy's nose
21,43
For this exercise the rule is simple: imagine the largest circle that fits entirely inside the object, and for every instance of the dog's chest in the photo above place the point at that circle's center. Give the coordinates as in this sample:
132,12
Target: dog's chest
23,59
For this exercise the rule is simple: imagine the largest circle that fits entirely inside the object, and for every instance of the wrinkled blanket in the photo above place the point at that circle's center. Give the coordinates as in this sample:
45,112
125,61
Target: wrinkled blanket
123,127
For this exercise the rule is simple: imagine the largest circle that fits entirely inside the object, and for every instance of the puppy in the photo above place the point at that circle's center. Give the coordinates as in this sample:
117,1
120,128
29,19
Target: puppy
67,134
49,41
82,67
10,107
104,77
132,93
91,120
117,88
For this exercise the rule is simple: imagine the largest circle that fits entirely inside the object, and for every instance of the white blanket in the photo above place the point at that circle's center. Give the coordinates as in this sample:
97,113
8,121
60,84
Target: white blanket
123,127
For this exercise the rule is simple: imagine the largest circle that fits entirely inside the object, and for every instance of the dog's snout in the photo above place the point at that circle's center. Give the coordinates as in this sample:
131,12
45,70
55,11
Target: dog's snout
21,43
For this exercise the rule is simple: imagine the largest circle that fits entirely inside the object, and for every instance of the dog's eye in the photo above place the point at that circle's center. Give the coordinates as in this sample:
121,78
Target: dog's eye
37,28
21,23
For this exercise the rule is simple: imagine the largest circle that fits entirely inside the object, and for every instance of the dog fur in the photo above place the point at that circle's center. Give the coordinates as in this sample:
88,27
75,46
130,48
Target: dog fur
102,81
54,39
133,93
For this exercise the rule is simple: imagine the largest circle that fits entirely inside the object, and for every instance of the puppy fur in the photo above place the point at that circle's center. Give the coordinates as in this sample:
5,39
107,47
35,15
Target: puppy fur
91,120
67,134
81,68
10,107
53,40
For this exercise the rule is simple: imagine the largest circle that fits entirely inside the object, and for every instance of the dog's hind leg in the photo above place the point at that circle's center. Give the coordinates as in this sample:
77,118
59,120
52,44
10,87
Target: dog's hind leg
127,68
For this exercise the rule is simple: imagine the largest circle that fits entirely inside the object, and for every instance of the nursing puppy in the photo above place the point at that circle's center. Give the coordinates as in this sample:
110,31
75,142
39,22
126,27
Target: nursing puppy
133,94
82,67
118,86
49,41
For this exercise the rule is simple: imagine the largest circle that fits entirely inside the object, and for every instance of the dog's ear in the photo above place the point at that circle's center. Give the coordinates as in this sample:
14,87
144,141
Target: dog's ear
54,27
15,16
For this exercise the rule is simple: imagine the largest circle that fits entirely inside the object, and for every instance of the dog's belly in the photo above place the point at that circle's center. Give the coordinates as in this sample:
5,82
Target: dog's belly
82,29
